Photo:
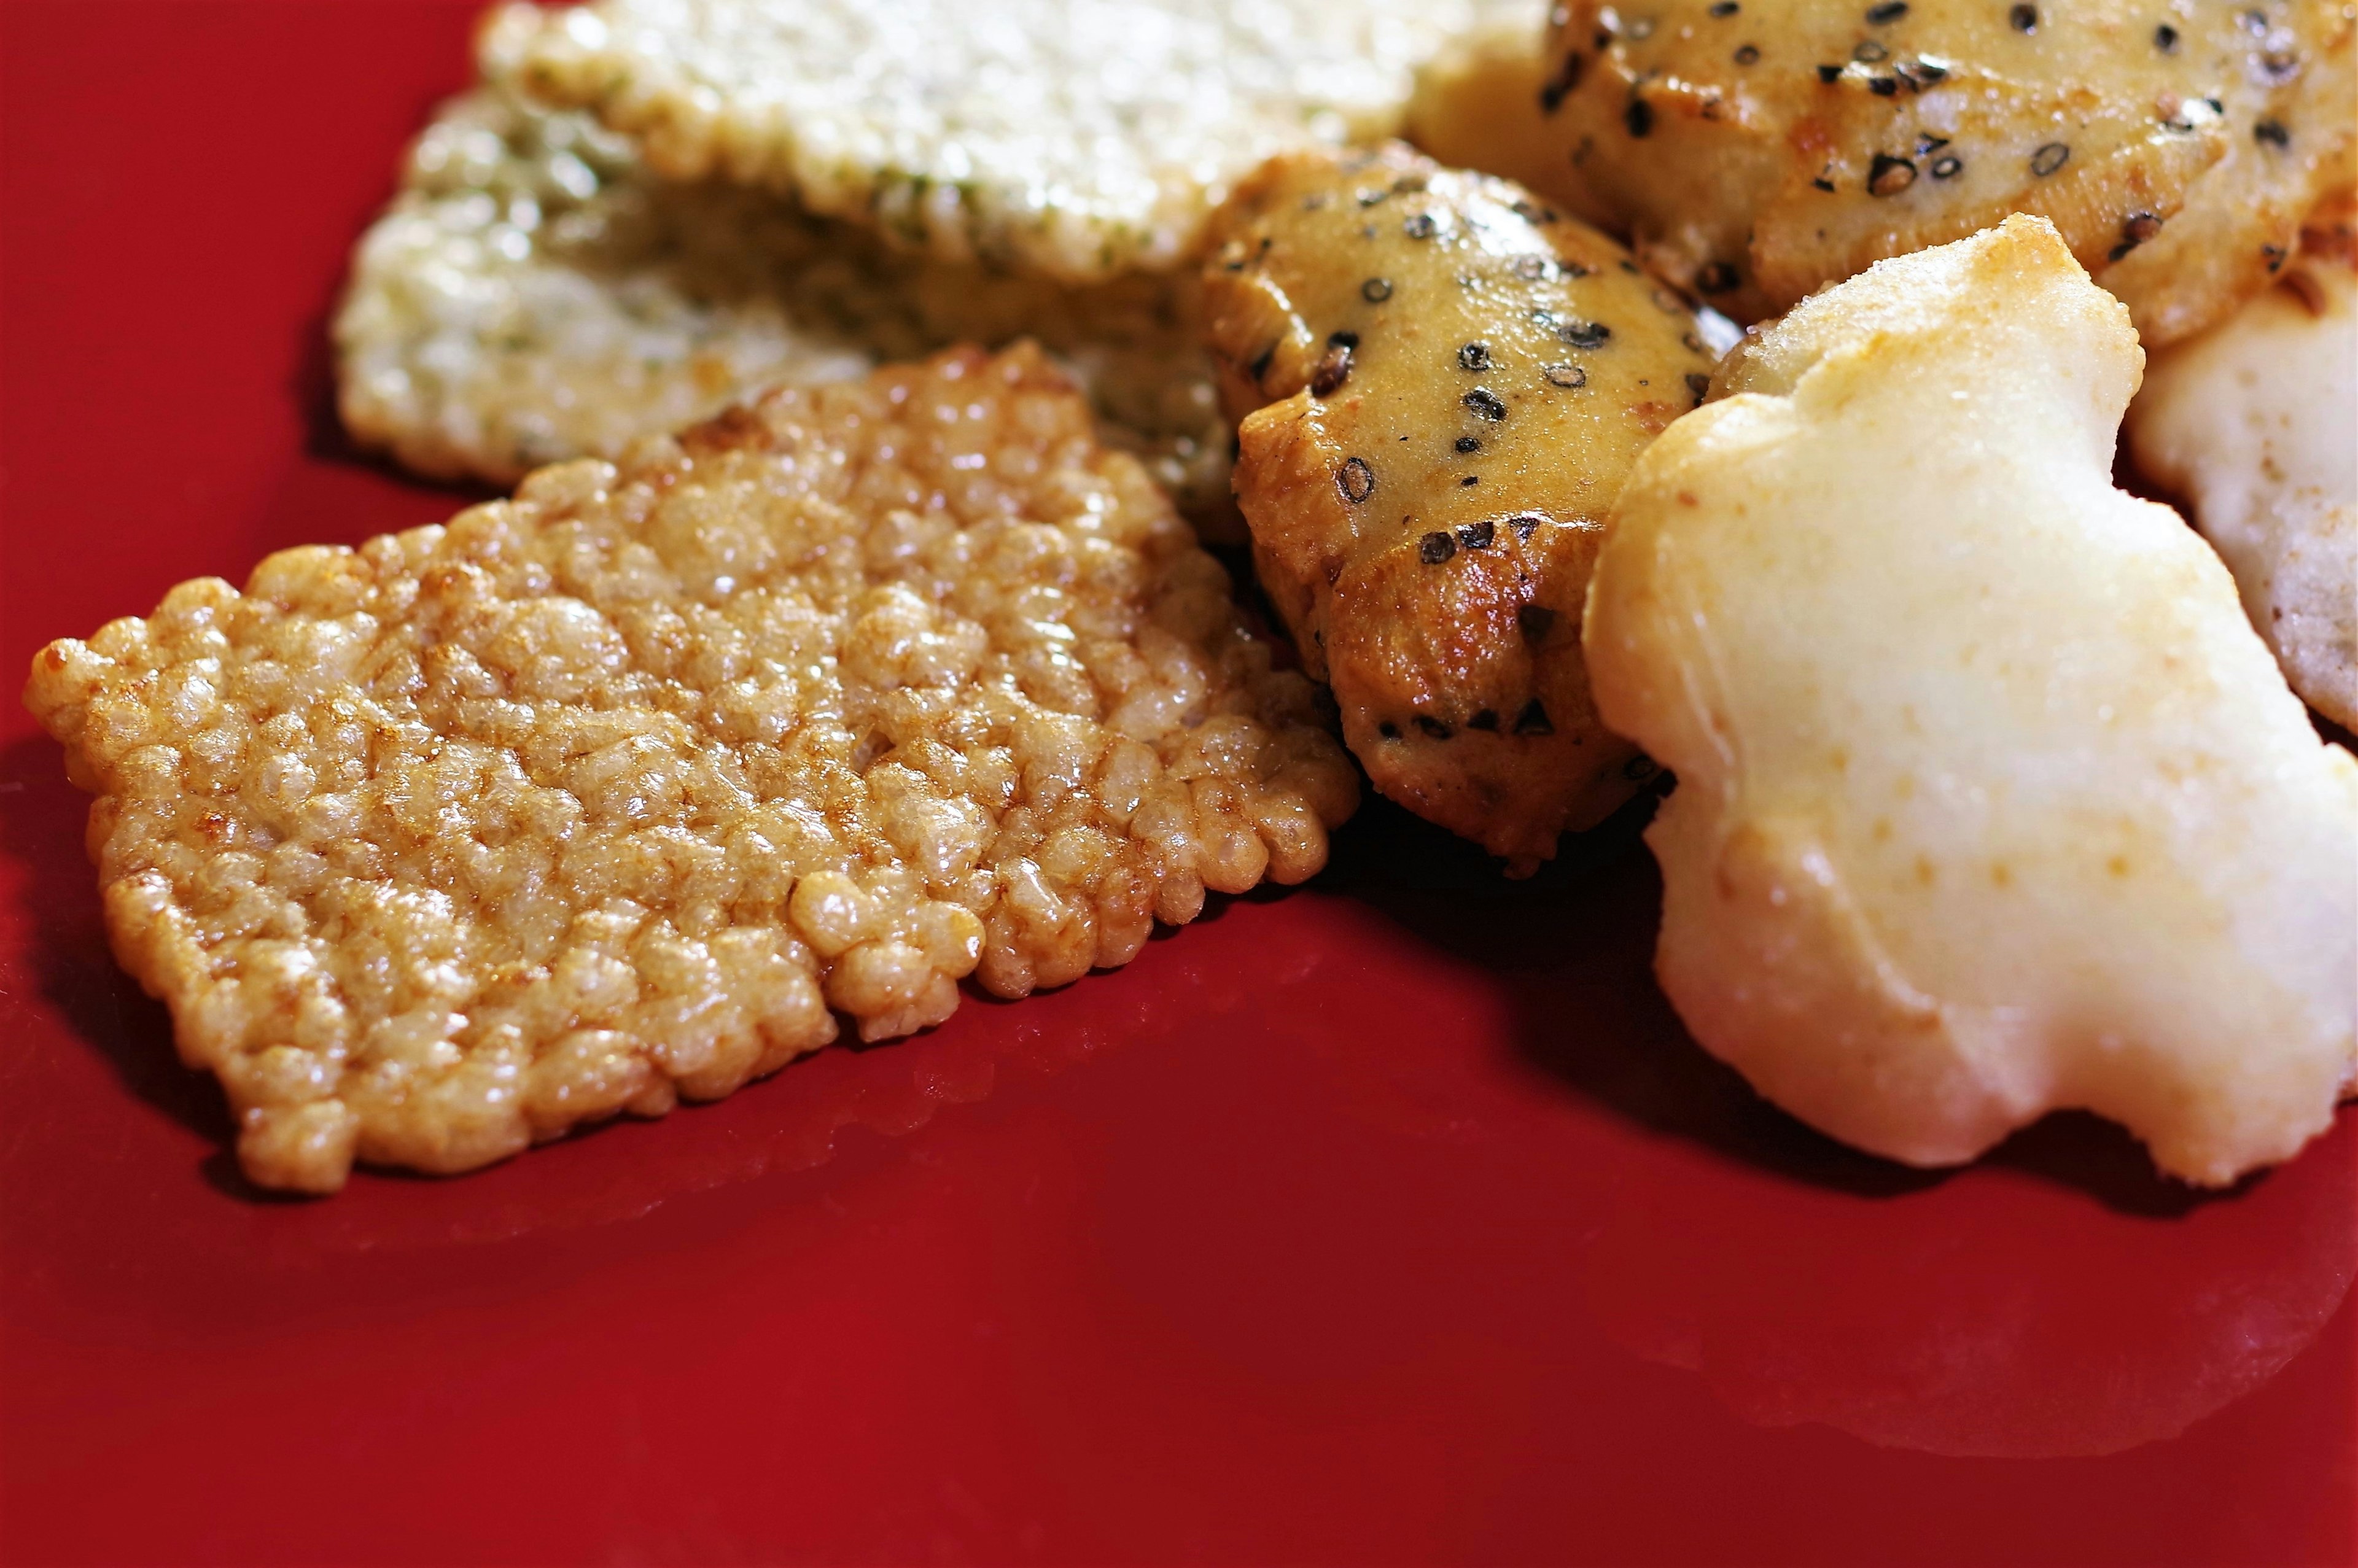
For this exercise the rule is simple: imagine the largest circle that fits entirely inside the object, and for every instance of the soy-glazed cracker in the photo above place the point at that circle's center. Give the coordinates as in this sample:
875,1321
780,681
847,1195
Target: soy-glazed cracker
616,793
533,293
1074,139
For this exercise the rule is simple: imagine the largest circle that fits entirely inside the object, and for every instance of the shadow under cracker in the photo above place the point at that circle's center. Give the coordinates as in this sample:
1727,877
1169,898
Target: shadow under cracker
1574,947
42,828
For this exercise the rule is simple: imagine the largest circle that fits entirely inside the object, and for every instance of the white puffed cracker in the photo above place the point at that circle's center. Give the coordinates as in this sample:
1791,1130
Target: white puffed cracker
534,294
1075,138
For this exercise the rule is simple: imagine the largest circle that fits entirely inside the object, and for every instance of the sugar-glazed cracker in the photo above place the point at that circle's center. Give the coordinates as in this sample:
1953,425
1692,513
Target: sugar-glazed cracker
1074,138
607,794
533,293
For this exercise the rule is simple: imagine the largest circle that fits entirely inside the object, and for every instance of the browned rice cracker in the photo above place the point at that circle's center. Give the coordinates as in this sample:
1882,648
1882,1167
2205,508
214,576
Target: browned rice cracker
607,794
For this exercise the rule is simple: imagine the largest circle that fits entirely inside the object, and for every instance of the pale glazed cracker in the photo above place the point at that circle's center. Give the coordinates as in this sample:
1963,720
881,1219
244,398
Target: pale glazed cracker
1073,139
2256,424
607,794
1989,801
534,294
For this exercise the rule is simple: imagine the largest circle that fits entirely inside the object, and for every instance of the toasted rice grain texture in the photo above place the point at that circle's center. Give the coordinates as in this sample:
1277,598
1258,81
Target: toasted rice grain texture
533,293
607,794
1074,138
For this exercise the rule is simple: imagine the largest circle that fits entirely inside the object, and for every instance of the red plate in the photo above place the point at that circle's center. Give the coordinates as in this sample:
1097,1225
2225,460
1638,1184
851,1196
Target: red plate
1391,1218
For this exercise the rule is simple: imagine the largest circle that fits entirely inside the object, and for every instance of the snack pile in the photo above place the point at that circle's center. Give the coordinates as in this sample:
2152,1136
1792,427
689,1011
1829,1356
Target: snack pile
872,378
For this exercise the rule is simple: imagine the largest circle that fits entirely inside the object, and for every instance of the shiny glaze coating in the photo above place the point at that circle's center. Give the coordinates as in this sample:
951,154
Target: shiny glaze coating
1441,384
1760,153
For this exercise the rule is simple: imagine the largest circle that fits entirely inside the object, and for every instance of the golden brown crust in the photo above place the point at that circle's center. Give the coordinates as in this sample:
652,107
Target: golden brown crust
1759,156
606,796
1441,385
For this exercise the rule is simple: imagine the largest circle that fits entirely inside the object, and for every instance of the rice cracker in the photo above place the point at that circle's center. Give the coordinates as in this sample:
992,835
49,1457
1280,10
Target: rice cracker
1072,138
533,293
618,791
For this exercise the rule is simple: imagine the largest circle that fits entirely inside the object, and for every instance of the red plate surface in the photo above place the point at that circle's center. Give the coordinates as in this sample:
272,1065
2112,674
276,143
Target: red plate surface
1392,1219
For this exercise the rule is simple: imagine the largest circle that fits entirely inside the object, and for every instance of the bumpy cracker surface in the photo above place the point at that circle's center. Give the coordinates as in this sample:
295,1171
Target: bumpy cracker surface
608,794
1757,153
1075,138
535,293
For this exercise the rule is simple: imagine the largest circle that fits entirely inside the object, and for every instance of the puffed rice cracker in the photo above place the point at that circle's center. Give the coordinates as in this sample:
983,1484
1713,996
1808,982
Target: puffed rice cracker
607,794
533,294
1075,138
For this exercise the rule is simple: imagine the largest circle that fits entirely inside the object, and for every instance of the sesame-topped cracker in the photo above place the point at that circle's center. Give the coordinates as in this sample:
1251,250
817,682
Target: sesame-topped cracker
1440,382
1757,153
1075,138
535,293
617,792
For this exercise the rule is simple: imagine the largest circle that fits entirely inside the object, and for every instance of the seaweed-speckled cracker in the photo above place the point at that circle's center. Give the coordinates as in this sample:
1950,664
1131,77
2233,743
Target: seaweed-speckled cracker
616,791
1075,138
535,293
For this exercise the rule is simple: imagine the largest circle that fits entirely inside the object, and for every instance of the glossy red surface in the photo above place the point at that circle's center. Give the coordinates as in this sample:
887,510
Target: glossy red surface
1388,1219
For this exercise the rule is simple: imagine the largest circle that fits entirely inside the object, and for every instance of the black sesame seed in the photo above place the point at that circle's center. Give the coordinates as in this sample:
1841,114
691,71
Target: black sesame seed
1725,7
1484,719
1566,376
1342,339
1947,167
2165,38
1883,86
1822,183
1532,269
1432,726
1714,277
1483,404
1375,290
1584,334
1698,383
1870,53
1533,621
1552,96
1469,479
1922,73
1468,443
2254,23
1356,480
1369,198
1533,720
1524,525
1638,117
1435,548
2275,256
1889,11
2272,133
1889,175
1334,370
1747,54
1474,356
2136,230
2025,18
1478,536
2048,158
1422,226
1830,73
1927,143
